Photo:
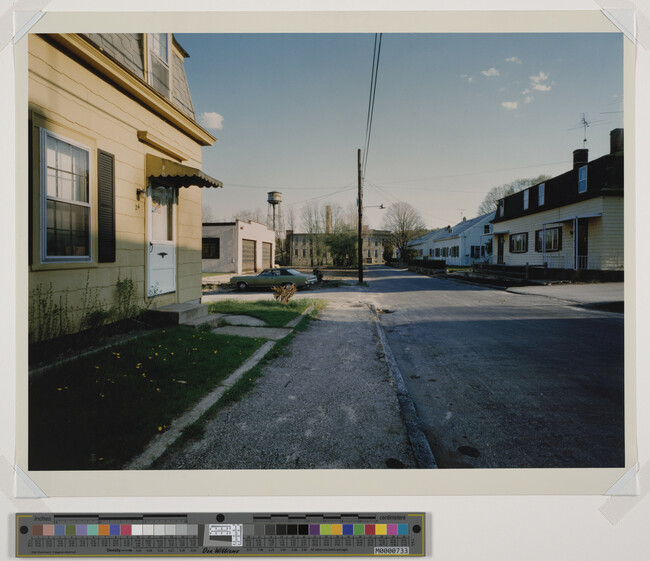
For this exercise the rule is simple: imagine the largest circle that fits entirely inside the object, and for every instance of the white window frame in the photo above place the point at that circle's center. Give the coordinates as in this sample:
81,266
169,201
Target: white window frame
167,63
45,258
541,194
582,179
526,199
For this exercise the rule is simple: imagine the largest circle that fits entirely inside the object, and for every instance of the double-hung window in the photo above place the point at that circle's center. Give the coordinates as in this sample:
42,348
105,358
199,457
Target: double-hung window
159,54
549,239
541,194
65,196
526,199
582,179
519,243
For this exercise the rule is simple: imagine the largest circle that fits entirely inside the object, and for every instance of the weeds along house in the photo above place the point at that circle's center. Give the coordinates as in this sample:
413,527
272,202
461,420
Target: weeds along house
115,173
573,221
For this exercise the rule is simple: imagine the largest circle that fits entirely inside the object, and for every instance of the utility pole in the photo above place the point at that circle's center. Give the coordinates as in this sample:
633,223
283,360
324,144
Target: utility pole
360,203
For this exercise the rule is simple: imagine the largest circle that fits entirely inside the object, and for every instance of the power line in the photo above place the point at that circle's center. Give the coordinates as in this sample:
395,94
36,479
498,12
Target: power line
482,172
390,195
347,188
284,188
371,99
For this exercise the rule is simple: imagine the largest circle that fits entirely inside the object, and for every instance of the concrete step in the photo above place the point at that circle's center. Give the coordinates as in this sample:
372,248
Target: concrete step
176,314
210,321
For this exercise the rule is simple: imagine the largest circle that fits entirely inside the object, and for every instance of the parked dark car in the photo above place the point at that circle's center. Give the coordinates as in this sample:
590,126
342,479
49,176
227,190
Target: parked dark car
274,277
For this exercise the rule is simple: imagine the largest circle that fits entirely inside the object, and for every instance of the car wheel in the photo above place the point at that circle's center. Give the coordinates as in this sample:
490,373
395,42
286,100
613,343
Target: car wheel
241,285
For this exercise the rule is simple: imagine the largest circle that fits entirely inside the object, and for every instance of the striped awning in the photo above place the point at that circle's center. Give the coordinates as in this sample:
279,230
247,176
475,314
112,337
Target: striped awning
172,174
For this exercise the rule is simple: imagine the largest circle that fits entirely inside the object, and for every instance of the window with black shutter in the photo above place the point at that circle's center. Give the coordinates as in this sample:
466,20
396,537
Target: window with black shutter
105,207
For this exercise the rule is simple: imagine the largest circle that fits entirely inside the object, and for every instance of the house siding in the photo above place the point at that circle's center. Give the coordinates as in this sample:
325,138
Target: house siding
605,238
68,99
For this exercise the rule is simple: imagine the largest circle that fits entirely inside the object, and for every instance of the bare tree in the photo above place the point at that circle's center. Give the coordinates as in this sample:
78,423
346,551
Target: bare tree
491,200
247,214
290,219
405,224
312,219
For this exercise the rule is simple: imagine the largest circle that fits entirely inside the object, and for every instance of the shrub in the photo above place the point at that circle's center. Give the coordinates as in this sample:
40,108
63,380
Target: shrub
283,294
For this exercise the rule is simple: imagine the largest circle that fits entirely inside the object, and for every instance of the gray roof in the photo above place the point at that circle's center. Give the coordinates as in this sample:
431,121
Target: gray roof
128,50
465,225
125,48
457,230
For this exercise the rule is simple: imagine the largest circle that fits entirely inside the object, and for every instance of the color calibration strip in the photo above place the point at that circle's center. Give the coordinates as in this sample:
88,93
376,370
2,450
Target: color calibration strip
226,535
331,530
75,530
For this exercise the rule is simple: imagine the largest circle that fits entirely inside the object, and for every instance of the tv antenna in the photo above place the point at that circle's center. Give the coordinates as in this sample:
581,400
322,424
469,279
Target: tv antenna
585,123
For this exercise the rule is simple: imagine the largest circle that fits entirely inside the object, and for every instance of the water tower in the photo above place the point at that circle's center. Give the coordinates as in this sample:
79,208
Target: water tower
273,216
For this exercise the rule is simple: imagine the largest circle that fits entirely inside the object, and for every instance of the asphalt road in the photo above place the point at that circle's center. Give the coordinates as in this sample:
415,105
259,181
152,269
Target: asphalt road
505,380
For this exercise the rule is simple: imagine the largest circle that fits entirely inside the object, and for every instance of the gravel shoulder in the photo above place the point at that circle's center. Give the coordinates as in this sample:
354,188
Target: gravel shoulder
329,404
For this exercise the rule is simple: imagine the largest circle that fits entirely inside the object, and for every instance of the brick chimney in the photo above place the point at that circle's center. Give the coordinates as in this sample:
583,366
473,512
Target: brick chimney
580,157
616,141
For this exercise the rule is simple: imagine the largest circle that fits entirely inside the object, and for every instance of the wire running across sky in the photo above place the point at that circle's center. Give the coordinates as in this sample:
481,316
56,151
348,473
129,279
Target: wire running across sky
371,99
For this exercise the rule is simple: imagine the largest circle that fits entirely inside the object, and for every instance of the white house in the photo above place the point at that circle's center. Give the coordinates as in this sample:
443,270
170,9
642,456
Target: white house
467,242
237,247
573,221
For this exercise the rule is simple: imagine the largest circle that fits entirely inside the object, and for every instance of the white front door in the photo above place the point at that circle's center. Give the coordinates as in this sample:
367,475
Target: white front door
161,260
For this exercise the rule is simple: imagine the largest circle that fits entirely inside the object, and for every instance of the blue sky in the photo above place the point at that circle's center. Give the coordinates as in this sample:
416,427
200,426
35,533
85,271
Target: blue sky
455,114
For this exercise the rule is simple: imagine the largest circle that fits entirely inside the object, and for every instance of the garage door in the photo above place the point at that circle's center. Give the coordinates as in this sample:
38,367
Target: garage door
267,257
248,256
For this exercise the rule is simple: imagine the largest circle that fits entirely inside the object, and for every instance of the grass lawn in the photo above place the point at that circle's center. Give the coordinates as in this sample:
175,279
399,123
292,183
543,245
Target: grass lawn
269,311
99,411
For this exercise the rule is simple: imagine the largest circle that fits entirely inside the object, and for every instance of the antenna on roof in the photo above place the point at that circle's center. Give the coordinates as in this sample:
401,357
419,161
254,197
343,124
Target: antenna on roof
585,122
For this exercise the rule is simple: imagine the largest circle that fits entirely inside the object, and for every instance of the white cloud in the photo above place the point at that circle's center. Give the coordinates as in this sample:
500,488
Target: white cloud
470,79
538,82
525,92
528,99
514,59
510,104
491,72
211,120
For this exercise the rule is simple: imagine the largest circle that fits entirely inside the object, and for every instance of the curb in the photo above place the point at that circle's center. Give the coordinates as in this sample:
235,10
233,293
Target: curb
421,449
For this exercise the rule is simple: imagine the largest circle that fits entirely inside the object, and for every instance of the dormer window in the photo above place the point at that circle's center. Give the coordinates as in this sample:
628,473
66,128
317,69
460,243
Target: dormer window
159,57
540,194
501,207
526,199
582,179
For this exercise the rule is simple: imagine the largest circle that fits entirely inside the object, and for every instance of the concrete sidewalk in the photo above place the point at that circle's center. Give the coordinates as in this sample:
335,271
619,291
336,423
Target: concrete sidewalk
579,293
329,404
